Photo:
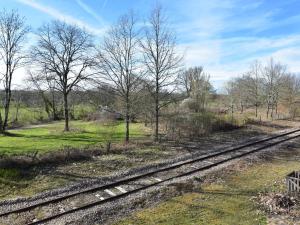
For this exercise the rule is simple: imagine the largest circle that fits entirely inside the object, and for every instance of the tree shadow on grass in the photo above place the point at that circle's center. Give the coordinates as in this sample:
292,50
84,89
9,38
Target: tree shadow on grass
82,137
9,134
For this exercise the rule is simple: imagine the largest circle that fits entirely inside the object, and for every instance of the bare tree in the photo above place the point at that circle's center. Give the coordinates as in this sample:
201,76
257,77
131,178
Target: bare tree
186,77
161,61
118,62
17,99
291,93
64,52
46,87
12,36
230,88
273,75
197,86
253,85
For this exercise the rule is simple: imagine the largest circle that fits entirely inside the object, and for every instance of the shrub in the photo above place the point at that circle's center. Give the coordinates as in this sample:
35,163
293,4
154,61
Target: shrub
193,125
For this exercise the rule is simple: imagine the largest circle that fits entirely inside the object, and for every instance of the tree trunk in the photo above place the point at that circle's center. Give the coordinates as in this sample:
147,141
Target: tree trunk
6,107
156,117
1,124
272,111
294,114
66,111
255,110
232,114
17,112
54,112
127,121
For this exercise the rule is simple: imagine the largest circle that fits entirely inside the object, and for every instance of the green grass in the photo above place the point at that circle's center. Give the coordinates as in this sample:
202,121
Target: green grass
27,115
51,137
32,115
227,201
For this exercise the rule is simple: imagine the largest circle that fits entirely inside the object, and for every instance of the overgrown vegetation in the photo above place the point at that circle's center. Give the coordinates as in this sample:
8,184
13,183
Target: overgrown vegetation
194,125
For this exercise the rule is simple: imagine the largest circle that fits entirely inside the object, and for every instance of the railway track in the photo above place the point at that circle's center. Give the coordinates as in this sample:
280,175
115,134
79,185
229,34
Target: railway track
57,207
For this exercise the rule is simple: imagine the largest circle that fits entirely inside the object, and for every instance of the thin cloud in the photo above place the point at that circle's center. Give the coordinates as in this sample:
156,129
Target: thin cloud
104,4
230,57
225,38
90,11
61,16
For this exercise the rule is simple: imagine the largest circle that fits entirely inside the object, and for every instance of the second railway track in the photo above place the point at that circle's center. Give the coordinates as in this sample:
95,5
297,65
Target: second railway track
46,211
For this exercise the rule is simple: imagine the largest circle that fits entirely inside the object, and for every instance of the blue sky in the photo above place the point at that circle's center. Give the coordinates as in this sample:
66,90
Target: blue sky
223,36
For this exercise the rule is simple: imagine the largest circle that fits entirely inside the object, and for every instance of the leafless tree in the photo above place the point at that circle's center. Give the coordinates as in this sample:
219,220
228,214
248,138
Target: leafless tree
238,97
161,60
17,98
242,93
197,86
273,75
186,77
291,93
118,62
230,88
46,87
64,52
12,36
101,95
253,85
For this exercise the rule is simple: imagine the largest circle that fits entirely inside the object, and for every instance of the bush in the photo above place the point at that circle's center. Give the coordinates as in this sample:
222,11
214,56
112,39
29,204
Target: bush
194,125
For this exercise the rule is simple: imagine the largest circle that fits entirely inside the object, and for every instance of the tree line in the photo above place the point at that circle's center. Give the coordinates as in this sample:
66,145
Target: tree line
265,86
136,67
64,57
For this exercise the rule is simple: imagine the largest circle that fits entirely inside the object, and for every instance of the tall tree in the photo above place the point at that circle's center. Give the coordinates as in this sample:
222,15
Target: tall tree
290,90
253,85
46,87
273,75
118,62
238,97
12,36
186,77
64,52
161,60
230,88
197,86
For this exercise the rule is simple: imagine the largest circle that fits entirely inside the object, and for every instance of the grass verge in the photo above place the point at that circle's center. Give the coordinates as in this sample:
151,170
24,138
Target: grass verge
226,198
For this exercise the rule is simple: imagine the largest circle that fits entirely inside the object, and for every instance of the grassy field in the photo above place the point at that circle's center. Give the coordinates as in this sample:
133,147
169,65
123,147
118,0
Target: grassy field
51,137
33,115
228,200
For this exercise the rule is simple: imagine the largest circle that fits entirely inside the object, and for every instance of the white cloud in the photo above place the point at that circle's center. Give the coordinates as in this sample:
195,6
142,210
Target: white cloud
61,16
213,33
225,36
231,57
204,53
